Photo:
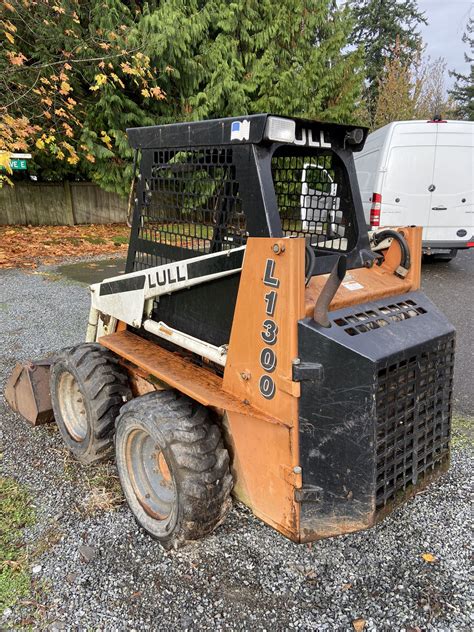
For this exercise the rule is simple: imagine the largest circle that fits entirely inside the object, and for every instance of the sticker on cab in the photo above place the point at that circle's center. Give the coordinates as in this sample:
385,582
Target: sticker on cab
240,130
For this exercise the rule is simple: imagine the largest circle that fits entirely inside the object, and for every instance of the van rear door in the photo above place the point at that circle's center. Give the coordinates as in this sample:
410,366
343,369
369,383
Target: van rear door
452,198
406,195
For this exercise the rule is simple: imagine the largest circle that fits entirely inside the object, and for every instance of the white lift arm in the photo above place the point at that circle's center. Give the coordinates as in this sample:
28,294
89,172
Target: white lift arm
129,297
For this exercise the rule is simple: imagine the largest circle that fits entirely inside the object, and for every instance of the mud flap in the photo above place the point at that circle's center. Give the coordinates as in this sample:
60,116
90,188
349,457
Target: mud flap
27,392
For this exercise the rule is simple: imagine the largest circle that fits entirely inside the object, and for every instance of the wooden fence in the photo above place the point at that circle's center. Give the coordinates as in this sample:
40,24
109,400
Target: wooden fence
66,203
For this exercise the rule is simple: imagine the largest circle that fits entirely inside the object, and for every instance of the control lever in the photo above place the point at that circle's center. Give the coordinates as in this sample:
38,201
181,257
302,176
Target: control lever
328,292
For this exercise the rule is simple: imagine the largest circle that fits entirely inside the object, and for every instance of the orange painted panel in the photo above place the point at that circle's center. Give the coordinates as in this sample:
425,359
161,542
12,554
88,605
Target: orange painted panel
263,344
261,454
181,373
263,341
364,285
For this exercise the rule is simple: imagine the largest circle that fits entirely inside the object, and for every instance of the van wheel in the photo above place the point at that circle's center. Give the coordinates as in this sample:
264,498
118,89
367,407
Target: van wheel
439,257
173,467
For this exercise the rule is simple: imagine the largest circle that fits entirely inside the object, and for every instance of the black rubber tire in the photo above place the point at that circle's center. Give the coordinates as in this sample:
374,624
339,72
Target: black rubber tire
438,258
103,388
190,442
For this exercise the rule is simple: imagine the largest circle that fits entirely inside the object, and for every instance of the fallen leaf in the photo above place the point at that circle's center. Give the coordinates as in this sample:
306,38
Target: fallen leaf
346,586
359,624
429,557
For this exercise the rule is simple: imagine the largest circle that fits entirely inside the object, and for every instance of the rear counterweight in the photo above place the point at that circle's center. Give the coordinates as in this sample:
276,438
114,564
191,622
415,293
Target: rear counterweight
375,422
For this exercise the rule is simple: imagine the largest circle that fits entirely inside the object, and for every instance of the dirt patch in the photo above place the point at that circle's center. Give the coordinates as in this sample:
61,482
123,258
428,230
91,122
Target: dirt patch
30,246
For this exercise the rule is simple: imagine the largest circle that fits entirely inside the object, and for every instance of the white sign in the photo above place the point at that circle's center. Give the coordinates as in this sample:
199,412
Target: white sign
240,130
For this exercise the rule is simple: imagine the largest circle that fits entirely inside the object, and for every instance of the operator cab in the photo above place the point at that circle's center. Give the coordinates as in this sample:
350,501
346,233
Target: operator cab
206,186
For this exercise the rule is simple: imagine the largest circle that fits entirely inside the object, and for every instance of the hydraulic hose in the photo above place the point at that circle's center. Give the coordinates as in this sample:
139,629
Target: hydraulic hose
328,292
405,261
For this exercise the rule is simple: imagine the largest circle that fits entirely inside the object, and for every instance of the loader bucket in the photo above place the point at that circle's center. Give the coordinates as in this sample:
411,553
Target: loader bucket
27,392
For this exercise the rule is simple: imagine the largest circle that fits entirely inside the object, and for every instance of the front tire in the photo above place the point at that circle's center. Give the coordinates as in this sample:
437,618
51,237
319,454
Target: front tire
88,388
173,467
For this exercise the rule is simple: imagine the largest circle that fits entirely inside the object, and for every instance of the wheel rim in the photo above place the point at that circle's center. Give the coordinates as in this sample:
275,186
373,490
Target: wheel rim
72,406
150,475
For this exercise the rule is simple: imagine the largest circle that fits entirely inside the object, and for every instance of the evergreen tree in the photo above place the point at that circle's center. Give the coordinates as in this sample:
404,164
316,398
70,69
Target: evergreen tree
85,70
378,25
231,58
463,90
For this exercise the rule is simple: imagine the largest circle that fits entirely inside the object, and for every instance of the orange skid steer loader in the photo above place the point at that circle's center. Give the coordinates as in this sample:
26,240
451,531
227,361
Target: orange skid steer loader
262,342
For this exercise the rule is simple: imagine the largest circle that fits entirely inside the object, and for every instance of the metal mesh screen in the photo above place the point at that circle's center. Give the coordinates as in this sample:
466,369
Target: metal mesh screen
413,418
190,206
362,322
314,199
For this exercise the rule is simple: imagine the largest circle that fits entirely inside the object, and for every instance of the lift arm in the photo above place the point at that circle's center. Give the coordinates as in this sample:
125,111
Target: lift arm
126,297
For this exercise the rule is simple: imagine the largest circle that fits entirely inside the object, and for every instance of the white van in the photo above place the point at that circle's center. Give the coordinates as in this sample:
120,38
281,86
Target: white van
421,173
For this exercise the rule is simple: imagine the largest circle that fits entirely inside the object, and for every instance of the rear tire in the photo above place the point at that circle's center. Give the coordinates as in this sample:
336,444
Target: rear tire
173,467
88,387
440,257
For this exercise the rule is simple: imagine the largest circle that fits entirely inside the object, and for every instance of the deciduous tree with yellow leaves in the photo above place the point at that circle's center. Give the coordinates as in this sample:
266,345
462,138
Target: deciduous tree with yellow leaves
71,81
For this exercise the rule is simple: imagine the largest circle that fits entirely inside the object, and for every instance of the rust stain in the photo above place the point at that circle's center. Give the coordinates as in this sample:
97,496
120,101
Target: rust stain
27,392
178,372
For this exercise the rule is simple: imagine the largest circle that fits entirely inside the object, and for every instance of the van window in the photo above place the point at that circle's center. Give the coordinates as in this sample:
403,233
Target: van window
410,169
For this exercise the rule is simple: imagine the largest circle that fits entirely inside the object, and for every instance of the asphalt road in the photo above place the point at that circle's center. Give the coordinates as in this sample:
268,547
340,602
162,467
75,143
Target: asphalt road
451,287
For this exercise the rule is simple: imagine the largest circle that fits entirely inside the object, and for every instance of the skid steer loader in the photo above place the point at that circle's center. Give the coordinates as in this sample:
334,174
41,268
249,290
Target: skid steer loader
262,342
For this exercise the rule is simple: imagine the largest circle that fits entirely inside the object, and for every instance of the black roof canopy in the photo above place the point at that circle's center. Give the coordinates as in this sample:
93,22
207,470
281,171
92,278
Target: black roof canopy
248,129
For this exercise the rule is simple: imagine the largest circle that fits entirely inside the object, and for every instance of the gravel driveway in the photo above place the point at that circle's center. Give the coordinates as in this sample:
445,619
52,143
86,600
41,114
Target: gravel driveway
245,575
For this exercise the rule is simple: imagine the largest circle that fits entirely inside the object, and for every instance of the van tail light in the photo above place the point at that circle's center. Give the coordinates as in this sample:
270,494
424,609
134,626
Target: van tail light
470,244
375,209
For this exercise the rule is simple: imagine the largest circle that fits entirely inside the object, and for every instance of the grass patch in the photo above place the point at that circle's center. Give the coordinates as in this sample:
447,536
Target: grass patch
104,490
16,513
101,482
119,239
95,240
462,432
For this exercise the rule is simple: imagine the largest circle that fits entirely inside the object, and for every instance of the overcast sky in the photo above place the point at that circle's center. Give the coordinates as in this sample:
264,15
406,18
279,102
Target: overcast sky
447,21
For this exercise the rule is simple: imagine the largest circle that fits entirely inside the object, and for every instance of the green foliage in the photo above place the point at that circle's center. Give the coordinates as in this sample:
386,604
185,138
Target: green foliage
69,70
255,56
463,90
127,64
16,513
409,91
378,26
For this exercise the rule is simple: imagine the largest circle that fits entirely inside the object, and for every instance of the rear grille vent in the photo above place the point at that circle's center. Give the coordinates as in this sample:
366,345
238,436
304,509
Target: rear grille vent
413,418
363,322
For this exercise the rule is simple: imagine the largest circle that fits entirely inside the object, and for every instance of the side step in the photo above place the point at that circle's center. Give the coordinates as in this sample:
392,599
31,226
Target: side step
180,373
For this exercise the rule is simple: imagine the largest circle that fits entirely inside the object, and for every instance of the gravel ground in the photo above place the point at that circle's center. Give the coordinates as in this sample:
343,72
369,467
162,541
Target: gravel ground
243,576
